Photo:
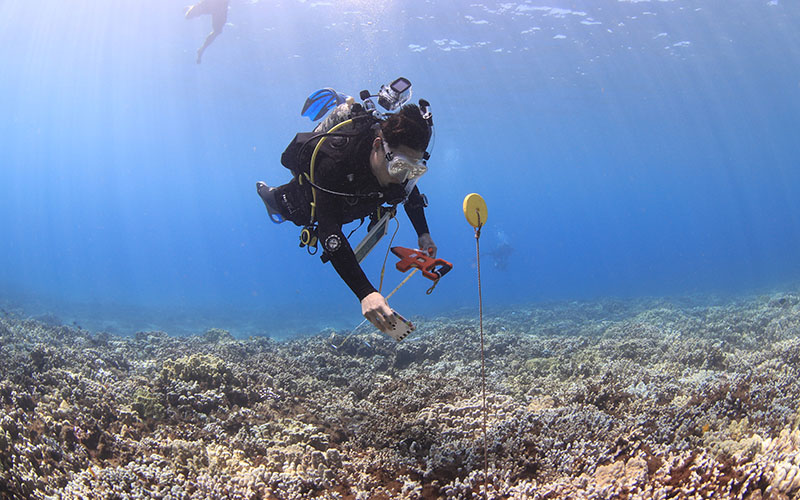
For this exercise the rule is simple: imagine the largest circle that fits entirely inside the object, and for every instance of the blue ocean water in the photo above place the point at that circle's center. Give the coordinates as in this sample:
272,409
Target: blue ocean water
624,148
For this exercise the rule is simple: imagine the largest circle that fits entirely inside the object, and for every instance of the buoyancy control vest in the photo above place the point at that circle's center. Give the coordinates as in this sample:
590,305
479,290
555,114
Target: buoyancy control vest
334,138
346,144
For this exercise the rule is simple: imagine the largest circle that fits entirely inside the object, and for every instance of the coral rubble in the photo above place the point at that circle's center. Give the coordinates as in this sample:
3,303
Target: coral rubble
648,399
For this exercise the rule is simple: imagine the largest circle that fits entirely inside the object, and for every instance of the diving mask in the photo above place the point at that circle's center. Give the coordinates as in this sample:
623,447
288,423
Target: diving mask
403,168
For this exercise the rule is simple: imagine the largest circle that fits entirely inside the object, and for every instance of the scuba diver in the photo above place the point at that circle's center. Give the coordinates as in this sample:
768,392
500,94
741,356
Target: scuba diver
218,10
358,163
501,253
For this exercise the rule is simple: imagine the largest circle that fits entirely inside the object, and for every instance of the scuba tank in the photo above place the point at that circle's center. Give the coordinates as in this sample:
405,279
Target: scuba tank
340,113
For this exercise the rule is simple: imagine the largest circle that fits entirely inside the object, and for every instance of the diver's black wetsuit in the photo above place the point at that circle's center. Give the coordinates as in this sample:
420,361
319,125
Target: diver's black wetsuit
343,166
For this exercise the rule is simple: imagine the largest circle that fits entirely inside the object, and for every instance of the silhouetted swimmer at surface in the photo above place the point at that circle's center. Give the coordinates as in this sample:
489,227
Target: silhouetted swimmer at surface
218,10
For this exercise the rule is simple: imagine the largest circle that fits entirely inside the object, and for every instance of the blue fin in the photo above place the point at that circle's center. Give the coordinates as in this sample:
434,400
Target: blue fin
320,102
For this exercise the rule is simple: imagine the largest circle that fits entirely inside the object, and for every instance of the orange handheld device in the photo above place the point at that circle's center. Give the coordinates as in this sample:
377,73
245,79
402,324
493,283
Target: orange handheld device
431,268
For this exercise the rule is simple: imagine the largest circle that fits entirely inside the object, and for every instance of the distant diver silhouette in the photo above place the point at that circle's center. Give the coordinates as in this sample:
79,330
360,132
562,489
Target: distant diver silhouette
502,252
500,255
218,10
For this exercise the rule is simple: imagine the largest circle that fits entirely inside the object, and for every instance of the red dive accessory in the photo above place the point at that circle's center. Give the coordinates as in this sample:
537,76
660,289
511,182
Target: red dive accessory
431,268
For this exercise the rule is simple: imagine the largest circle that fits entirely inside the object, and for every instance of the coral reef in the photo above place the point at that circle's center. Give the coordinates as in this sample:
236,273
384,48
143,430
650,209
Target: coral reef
609,399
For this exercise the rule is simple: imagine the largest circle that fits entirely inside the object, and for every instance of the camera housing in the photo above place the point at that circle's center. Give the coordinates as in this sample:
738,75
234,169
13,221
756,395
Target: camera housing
394,95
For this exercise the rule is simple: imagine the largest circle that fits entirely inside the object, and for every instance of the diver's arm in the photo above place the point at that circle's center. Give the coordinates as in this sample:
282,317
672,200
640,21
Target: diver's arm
415,209
373,305
334,243
375,308
329,215
426,244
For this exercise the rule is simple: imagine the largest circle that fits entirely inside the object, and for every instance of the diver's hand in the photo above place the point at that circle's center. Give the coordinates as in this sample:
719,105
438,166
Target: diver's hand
375,308
427,245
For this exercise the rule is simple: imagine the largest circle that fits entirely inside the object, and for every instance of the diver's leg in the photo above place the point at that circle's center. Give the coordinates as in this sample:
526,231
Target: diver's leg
210,38
267,195
218,20
197,9
286,202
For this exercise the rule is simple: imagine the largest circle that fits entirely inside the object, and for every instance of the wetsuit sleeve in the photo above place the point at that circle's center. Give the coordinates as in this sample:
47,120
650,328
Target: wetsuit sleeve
329,211
415,209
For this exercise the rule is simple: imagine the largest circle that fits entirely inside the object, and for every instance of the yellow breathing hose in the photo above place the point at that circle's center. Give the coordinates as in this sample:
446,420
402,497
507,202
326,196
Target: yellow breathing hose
310,174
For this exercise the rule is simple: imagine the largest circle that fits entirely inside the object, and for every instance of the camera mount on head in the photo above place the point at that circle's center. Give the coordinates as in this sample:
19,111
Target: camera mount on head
391,97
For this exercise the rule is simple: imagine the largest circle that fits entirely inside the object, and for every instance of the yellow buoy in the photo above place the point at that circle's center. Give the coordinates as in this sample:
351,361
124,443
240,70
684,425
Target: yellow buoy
475,210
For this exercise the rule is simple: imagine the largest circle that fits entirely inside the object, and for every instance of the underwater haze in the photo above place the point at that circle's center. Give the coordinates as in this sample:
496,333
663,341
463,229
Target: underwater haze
624,149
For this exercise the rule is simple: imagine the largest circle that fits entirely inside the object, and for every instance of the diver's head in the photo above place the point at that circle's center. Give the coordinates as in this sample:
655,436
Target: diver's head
408,128
398,152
